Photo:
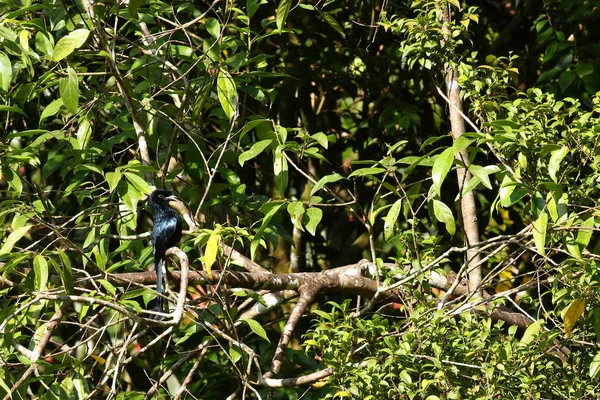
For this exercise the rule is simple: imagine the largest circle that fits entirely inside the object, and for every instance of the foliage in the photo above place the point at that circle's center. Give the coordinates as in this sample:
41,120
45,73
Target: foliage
437,356
308,137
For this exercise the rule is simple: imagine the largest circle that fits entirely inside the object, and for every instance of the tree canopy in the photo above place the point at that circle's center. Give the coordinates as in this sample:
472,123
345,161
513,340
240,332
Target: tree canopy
382,200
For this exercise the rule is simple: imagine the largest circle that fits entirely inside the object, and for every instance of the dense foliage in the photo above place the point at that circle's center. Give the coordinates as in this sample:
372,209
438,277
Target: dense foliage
307,137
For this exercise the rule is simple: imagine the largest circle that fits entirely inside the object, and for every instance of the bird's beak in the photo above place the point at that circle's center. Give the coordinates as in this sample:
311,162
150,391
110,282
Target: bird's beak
176,203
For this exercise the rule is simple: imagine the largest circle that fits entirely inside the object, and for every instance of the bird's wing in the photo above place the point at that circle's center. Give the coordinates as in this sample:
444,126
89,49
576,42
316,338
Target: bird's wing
166,234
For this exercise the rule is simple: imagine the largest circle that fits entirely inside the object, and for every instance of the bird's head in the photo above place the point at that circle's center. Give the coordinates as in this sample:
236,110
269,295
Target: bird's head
162,198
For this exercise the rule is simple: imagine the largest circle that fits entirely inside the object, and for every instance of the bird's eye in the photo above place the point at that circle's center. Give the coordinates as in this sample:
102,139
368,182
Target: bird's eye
160,196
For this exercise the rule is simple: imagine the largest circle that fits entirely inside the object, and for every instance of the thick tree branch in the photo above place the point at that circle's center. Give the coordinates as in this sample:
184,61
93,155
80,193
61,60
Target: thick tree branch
468,207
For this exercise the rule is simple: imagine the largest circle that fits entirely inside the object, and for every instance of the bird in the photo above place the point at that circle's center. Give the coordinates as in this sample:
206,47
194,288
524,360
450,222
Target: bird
166,233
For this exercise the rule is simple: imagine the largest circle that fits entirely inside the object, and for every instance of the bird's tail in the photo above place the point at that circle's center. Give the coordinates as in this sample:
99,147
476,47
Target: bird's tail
158,306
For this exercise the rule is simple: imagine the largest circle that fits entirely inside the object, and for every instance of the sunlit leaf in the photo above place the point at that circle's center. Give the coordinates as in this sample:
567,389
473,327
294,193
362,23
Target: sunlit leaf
40,268
13,179
227,94
213,27
584,234
555,160
444,214
140,184
212,250
69,91
84,133
332,22
67,44
113,179
321,138
296,211
282,13
540,227
257,328
390,219
532,331
572,313
481,173
280,169
367,171
441,166
5,72
595,366
4,107
13,238
255,150
314,216
324,181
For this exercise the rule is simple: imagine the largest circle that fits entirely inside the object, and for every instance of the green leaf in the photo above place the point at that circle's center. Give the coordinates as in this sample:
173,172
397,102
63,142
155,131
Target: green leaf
555,160
109,287
13,238
367,171
461,143
390,220
557,209
444,214
532,331
140,184
5,72
213,27
251,125
113,179
539,232
4,107
43,44
264,224
332,22
133,7
511,192
280,169
252,6
314,216
84,133
255,150
65,272
40,268
585,233
69,91
481,173
13,179
282,13
595,366
281,133
227,93
51,109
472,184
441,166
405,376
3,384
341,394
296,211
67,44
234,354
325,180
257,328
321,138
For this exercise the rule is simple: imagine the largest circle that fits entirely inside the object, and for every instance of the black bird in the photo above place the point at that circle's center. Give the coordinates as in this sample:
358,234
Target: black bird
166,233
